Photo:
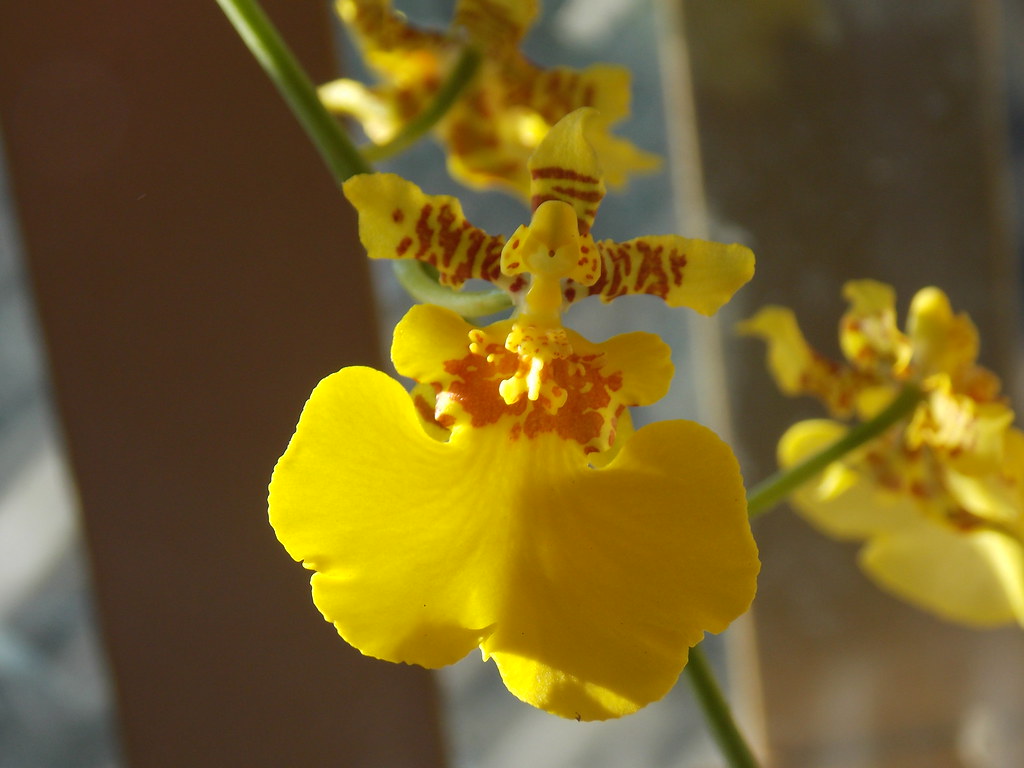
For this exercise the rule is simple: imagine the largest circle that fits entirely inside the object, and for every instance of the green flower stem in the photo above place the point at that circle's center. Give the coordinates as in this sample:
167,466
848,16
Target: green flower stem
716,710
264,42
337,150
422,286
769,492
461,75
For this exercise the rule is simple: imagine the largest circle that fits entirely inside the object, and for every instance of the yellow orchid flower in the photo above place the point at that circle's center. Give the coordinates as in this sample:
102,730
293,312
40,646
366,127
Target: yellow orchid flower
506,503
500,118
938,499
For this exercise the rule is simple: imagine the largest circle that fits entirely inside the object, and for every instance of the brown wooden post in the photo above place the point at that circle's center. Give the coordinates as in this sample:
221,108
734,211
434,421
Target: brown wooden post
196,272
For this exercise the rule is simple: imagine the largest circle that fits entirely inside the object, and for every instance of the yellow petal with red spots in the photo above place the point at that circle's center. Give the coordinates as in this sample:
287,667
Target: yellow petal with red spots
489,143
796,367
594,383
496,23
554,93
398,221
586,586
697,274
486,150
500,118
942,342
868,334
391,46
565,167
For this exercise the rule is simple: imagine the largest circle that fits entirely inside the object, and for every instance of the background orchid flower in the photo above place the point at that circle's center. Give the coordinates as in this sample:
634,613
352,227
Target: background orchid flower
491,130
939,498
502,505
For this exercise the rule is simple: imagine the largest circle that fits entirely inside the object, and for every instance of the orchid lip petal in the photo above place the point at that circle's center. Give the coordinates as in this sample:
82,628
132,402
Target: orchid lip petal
586,586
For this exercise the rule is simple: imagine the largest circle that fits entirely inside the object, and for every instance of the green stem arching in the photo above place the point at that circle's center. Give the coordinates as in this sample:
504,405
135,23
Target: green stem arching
421,286
734,747
461,76
769,492
266,45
